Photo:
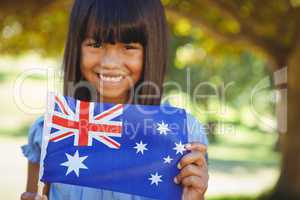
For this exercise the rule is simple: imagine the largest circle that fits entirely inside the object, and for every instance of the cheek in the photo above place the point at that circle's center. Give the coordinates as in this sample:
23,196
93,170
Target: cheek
88,60
135,65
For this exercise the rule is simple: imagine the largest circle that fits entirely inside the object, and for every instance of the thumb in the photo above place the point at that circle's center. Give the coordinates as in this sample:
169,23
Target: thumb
28,196
38,197
44,197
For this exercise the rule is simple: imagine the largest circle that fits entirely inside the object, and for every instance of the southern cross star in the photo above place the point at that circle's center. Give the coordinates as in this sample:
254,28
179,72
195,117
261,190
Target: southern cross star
74,163
163,128
155,179
179,148
140,147
168,159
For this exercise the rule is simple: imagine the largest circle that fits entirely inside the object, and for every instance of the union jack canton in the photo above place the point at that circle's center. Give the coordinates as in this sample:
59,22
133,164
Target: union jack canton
84,124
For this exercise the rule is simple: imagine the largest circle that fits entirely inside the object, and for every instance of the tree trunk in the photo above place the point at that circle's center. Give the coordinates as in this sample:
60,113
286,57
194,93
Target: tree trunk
288,185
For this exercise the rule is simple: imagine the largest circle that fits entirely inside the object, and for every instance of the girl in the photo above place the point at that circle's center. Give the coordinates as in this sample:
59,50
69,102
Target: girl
116,52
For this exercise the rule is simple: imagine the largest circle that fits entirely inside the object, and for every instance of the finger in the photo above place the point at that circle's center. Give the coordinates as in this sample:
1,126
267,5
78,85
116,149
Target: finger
195,157
28,196
44,197
38,197
195,182
189,170
196,146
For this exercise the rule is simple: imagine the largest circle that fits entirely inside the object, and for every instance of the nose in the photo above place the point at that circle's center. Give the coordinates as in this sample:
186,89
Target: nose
111,59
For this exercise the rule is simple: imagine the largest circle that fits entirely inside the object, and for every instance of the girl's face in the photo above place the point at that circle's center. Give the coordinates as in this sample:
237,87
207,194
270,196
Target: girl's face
112,68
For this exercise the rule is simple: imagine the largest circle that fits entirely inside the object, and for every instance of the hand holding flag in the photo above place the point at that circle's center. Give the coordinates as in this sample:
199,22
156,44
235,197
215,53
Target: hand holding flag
194,172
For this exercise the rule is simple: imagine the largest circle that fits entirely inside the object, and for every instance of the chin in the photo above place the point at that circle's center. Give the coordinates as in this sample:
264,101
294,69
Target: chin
112,95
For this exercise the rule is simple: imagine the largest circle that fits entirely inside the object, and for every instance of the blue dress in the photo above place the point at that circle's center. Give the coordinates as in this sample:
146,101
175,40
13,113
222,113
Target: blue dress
59,191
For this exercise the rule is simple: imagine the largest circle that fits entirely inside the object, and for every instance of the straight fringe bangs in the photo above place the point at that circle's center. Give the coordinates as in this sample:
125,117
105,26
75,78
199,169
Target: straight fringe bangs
112,21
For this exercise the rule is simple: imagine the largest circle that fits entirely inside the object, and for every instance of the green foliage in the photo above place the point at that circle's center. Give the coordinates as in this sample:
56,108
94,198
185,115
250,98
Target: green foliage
242,69
45,33
271,28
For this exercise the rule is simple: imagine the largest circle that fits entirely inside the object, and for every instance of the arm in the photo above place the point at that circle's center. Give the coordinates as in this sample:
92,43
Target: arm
32,152
32,182
32,177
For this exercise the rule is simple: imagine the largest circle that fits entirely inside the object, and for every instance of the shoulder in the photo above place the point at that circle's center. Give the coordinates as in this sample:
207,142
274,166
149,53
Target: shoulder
196,131
33,147
38,123
36,129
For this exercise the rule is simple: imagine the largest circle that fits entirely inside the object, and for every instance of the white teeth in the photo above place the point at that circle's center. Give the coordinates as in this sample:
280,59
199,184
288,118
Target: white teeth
111,78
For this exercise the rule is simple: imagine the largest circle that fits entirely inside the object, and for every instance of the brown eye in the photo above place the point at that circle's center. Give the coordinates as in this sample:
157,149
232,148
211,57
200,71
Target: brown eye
94,44
130,46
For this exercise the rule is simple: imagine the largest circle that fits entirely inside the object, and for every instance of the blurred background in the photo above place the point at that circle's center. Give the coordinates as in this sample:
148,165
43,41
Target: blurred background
230,59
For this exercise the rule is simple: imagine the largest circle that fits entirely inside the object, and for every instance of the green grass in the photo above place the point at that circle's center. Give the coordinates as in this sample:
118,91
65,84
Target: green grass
263,196
20,131
245,145
244,155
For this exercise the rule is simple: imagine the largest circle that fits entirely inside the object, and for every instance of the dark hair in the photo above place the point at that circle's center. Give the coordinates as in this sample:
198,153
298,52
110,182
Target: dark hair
125,21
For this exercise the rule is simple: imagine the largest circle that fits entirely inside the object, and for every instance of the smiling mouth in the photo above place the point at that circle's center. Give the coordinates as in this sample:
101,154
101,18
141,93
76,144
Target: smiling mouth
111,78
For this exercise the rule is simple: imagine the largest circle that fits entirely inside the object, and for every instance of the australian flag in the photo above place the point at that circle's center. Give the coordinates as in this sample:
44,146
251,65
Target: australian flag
126,148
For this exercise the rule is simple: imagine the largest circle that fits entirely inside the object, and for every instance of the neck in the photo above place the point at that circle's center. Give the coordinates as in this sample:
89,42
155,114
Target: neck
118,100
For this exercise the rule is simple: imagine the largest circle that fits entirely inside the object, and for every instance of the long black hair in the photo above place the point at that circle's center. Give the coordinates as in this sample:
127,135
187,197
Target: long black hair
125,21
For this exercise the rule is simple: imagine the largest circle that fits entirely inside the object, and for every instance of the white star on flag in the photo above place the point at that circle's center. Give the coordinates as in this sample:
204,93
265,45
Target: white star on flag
140,147
179,148
168,159
74,163
155,179
162,128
